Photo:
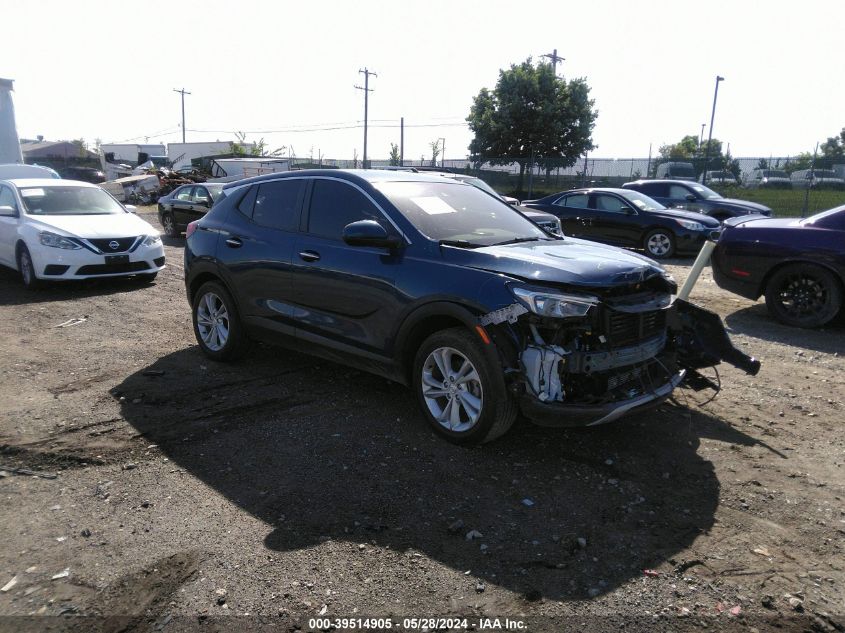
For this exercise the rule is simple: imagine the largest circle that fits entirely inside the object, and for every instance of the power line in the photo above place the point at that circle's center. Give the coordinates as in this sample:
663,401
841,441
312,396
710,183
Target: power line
330,129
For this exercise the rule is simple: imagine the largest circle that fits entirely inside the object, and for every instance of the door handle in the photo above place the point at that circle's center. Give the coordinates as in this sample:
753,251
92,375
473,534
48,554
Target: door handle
309,256
234,242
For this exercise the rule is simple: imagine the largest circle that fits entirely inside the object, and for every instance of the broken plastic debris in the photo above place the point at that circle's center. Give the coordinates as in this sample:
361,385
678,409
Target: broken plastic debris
762,551
70,322
474,534
736,610
651,572
9,584
527,502
61,574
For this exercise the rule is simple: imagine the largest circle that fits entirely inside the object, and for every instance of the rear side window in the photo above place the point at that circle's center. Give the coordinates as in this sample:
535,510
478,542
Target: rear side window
277,204
659,189
334,205
577,201
7,198
248,202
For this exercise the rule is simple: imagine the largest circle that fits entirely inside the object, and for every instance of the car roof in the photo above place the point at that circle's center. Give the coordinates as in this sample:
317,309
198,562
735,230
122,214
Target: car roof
369,176
47,182
675,181
615,190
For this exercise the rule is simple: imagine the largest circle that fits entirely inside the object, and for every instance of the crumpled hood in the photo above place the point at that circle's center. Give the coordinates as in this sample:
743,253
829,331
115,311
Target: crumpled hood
743,204
569,261
96,226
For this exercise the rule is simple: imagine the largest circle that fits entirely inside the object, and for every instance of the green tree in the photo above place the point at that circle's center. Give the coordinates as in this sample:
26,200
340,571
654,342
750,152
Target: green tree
833,149
435,151
394,154
685,149
532,113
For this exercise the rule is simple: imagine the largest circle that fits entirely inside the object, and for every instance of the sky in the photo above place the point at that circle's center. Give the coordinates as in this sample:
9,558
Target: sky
286,72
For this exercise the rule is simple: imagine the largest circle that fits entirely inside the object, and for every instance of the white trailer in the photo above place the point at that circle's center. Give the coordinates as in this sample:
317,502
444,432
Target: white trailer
118,159
180,154
10,145
230,169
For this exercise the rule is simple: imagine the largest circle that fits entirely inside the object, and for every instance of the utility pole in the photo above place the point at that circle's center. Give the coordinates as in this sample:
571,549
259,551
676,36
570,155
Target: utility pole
555,59
367,92
443,155
710,132
402,141
183,92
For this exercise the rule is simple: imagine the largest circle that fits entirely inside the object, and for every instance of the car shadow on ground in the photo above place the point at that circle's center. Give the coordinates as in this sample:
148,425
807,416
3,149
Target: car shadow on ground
320,452
13,292
755,321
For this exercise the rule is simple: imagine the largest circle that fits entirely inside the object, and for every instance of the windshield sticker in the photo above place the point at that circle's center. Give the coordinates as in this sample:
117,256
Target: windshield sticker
433,205
32,193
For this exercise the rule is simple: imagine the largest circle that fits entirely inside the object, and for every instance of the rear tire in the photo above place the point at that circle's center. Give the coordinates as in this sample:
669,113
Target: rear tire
659,243
169,225
803,295
27,269
461,388
217,326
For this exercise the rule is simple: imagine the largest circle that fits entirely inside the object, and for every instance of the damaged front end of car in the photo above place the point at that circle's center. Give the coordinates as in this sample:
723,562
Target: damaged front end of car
578,357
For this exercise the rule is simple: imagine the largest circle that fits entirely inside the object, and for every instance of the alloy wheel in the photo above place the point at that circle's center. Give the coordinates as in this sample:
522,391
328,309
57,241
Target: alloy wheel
213,321
451,388
802,296
659,244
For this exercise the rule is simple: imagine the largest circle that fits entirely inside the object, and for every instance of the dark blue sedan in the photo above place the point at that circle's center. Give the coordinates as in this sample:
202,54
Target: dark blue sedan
799,265
621,217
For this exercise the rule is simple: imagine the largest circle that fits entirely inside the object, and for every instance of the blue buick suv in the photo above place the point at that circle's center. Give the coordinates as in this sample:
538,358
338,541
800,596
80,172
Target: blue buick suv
437,285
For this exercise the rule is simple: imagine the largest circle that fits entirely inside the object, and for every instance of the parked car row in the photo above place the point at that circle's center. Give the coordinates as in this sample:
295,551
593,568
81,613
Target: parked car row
439,284
760,178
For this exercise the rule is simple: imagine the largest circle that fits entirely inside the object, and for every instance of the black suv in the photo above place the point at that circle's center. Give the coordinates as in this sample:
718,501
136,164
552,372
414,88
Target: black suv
693,196
438,285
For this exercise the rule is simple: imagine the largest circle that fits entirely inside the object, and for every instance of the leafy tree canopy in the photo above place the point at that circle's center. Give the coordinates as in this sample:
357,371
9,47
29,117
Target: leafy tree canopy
532,111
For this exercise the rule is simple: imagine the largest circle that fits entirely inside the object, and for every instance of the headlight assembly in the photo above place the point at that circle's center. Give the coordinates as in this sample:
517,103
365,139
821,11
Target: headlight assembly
554,304
57,241
690,225
152,240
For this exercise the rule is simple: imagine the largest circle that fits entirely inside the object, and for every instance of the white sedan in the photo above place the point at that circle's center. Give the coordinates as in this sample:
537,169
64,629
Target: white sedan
65,229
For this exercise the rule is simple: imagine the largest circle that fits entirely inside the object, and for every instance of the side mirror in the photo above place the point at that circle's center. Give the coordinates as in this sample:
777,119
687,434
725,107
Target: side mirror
690,197
627,210
131,208
369,233
7,210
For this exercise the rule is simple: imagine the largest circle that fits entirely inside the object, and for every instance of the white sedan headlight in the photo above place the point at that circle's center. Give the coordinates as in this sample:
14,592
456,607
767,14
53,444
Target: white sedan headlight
690,225
152,240
555,304
57,241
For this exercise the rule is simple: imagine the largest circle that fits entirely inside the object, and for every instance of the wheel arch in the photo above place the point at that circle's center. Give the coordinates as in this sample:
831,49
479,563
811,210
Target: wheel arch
761,290
200,278
422,323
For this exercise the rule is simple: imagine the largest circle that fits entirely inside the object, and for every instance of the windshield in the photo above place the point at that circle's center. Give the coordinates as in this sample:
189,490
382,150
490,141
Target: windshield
456,212
69,200
642,202
773,173
706,192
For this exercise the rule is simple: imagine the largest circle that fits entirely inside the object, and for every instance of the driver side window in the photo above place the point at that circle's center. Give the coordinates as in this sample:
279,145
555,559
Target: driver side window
677,191
609,203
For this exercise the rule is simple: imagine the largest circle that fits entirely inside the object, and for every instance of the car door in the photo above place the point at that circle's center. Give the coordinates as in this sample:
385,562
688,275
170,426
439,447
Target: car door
615,221
574,213
182,205
9,220
256,251
346,297
658,191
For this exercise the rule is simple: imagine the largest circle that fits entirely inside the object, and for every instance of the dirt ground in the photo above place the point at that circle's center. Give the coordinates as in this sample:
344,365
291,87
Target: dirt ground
178,493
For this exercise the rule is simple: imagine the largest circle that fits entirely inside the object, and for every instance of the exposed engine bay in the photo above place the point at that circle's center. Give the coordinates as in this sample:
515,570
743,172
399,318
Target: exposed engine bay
611,352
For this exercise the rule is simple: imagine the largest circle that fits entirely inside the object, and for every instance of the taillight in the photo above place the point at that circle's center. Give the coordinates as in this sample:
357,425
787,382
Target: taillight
192,226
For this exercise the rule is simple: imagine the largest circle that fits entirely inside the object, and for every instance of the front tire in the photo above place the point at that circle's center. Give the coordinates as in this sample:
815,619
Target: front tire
217,325
803,295
659,243
27,269
461,388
